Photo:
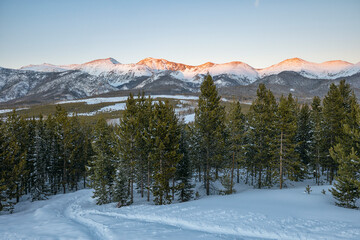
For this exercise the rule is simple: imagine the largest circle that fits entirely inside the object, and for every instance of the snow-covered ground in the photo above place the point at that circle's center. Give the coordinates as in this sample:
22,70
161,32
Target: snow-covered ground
248,214
10,110
122,99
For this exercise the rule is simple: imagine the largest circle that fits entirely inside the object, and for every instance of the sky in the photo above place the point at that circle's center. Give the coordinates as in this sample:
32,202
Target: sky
257,32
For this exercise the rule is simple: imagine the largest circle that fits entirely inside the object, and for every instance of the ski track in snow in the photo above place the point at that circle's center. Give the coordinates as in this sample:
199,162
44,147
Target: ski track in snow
252,214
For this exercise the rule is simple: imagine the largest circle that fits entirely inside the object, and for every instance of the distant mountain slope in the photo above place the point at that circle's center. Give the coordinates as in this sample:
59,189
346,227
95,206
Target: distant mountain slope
48,82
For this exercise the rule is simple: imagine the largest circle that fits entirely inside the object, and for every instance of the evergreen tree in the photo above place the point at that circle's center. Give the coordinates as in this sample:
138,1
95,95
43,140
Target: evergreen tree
13,162
236,125
347,188
165,153
183,169
102,167
317,145
287,129
261,136
335,111
143,146
128,131
40,188
209,120
304,135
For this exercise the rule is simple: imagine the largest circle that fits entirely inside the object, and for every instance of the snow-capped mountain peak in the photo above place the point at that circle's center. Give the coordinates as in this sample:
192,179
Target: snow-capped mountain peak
238,70
325,70
45,67
102,61
162,64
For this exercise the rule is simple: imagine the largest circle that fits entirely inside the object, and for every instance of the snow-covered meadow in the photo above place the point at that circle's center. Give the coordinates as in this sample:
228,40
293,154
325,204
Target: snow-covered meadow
248,214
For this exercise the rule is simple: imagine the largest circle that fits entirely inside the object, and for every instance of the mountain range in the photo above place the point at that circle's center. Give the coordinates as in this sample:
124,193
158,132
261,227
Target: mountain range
47,82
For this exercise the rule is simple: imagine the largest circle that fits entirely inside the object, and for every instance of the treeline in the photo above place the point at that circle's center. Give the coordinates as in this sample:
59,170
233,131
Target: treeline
152,153
42,157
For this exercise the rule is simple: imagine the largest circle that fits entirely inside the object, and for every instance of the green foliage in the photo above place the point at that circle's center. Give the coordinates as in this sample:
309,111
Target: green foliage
261,136
289,163
165,152
317,150
210,124
184,168
336,111
304,135
102,166
347,187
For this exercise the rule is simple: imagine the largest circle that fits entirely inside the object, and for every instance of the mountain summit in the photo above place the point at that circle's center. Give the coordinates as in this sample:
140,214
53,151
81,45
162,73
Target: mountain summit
53,82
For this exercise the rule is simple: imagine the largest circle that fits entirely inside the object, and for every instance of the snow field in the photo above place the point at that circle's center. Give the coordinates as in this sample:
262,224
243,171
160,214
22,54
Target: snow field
248,214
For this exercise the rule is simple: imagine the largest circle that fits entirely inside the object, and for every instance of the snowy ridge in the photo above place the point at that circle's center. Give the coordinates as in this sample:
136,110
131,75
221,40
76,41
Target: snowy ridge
45,67
237,70
325,70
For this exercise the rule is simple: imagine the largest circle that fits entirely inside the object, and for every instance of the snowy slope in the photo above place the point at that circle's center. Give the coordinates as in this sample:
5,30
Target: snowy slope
237,70
251,214
325,70
45,67
46,81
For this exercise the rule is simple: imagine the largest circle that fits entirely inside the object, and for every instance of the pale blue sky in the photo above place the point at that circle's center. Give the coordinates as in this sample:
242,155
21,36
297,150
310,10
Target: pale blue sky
259,33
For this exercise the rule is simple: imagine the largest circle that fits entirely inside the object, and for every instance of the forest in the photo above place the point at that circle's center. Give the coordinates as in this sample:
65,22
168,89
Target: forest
155,154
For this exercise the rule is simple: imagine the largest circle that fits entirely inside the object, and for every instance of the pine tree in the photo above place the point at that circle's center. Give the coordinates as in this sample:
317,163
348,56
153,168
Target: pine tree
335,111
209,120
287,129
261,136
317,145
40,174
236,125
165,154
143,146
128,131
102,169
183,169
13,161
304,135
347,188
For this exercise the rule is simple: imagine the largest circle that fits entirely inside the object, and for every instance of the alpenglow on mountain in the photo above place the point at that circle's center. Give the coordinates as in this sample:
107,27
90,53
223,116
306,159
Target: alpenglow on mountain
54,82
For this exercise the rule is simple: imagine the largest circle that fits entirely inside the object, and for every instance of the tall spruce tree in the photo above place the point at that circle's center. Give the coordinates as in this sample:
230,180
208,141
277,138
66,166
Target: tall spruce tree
347,187
236,125
183,168
261,136
304,135
13,161
336,108
127,136
102,167
165,153
317,145
143,142
209,120
287,129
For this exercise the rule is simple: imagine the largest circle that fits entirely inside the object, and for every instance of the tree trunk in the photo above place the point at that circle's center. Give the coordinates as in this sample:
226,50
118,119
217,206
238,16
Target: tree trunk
199,173
17,193
142,186
207,173
259,181
238,173
281,163
173,188
148,181
161,192
232,174
318,168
